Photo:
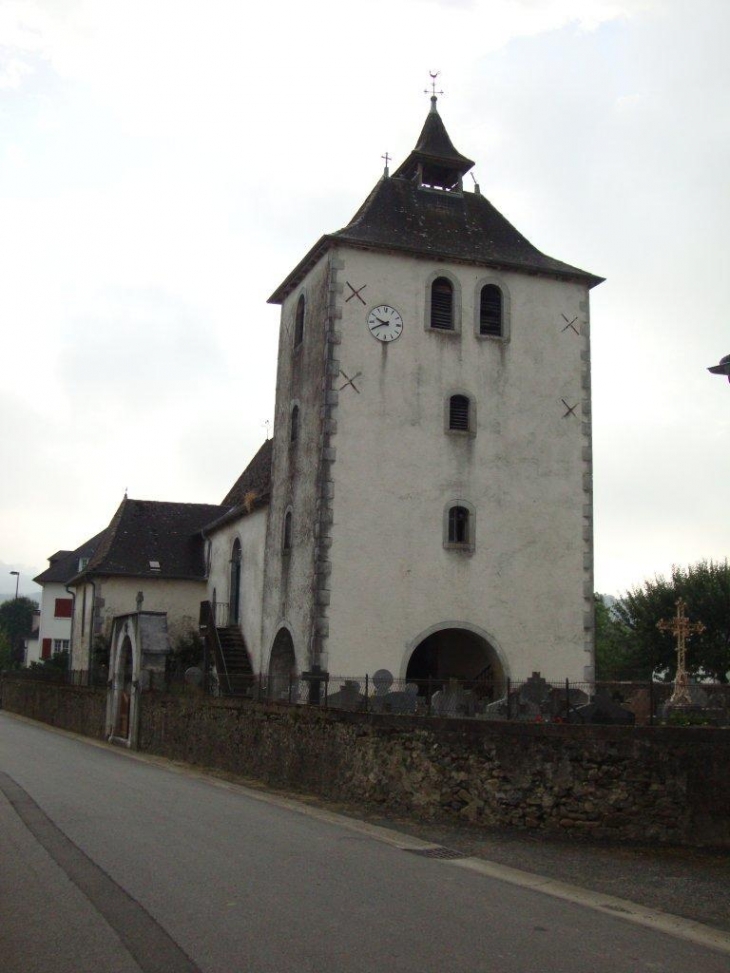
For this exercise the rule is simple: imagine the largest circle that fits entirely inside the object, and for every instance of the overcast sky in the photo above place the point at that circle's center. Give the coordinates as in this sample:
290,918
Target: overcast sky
165,163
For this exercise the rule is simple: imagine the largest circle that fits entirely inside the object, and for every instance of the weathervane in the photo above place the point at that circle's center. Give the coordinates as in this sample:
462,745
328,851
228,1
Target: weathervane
433,92
681,627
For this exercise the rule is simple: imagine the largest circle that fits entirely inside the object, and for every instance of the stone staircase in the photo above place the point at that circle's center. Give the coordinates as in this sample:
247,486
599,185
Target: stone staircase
237,678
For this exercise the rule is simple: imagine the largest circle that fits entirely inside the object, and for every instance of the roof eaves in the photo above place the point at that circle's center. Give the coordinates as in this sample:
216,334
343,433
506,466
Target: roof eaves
238,512
568,273
301,270
148,575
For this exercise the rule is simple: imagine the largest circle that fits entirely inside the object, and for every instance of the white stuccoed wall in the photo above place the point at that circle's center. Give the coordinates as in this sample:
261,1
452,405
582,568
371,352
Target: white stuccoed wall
528,584
180,599
290,588
251,532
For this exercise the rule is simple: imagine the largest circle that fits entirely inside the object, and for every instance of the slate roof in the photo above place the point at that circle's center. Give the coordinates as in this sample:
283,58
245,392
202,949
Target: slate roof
401,215
64,565
142,531
256,478
434,149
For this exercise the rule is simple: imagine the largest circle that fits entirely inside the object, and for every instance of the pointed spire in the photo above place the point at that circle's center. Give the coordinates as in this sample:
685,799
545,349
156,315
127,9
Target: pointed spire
435,161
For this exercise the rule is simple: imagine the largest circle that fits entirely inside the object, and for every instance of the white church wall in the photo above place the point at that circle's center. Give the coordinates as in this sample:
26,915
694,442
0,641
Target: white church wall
290,589
250,530
527,584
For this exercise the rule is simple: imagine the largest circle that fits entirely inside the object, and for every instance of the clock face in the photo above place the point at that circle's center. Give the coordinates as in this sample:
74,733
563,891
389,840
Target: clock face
385,323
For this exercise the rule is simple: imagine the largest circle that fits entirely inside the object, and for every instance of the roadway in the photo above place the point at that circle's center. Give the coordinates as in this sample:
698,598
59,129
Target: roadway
114,863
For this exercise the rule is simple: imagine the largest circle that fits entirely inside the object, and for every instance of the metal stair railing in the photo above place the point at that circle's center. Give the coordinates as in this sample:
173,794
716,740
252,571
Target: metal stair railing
212,639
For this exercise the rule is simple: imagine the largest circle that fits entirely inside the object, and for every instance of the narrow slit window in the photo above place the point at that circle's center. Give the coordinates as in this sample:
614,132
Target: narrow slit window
459,413
491,311
299,322
294,428
442,304
458,525
287,531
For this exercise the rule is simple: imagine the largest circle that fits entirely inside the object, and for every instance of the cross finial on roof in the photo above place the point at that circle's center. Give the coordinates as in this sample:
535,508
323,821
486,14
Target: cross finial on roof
433,92
387,160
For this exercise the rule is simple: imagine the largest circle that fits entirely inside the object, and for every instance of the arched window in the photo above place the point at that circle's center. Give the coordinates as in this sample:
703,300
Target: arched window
442,304
491,311
299,322
294,425
234,598
458,525
459,413
286,543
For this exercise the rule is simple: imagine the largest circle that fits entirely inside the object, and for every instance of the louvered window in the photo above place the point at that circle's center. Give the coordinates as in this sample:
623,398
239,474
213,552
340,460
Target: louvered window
458,525
299,322
490,311
459,412
442,304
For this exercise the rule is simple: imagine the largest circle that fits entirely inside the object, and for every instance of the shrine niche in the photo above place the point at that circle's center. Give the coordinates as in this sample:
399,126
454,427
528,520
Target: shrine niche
139,647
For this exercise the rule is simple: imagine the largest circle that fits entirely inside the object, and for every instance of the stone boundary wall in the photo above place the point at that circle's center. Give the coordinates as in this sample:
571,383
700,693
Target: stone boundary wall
644,784
74,708
666,784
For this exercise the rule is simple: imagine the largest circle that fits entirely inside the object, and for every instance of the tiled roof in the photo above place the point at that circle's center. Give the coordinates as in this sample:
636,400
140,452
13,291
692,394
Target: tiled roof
402,215
255,479
64,565
144,533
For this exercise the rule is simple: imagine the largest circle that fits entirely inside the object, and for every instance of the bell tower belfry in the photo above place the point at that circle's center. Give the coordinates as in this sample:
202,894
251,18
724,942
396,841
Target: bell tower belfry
431,508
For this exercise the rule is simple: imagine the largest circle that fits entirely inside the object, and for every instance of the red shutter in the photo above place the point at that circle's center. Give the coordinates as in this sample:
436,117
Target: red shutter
46,649
63,608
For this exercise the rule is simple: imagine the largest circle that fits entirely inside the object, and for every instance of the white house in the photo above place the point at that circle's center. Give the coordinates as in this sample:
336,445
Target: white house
56,608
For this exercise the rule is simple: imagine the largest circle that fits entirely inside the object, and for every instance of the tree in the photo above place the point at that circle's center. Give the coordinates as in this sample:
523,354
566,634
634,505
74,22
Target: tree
6,654
614,659
16,622
705,587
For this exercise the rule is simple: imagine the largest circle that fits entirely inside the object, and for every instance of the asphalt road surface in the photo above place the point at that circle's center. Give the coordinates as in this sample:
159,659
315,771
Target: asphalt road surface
114,864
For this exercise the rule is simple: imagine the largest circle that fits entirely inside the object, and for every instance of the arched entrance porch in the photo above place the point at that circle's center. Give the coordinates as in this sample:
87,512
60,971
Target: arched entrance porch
457,652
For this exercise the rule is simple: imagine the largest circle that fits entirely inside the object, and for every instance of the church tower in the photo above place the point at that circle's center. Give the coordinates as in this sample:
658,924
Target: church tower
431,509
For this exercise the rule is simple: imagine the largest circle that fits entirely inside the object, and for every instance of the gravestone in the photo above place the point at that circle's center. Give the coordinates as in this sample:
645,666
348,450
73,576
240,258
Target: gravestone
348,698
602,709
534,690
382,681
452,700
405,702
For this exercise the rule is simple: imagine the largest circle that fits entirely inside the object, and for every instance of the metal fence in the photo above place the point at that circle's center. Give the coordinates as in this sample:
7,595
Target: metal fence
530,700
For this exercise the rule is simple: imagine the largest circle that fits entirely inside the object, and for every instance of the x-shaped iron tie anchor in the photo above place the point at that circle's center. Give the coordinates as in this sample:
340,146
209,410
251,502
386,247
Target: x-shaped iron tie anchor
350,381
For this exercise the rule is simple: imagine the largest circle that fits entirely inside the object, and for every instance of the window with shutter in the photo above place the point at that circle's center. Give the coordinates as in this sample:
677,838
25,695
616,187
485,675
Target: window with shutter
442,304
459,413
46,649
491,320
63,608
